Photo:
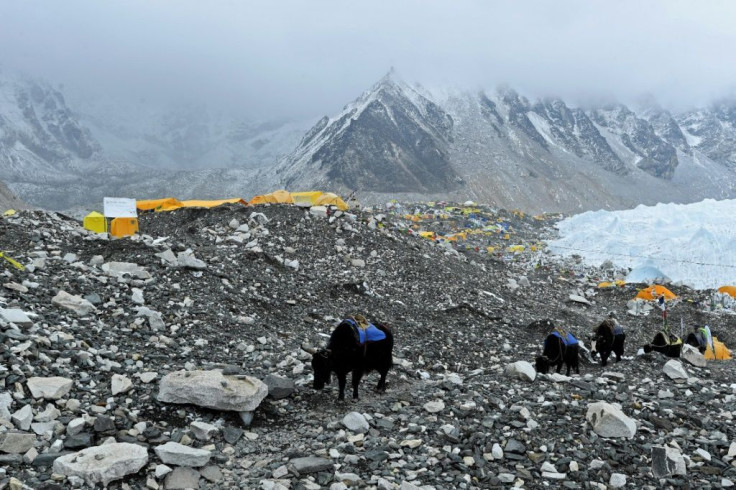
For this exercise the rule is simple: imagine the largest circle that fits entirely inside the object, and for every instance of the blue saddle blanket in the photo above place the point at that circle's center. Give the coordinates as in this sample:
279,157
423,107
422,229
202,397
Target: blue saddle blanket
369,334
618,330
567,339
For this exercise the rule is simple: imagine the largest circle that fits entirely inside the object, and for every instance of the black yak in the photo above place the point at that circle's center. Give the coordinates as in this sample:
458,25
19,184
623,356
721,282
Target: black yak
350,349
665,344
559,348
608,337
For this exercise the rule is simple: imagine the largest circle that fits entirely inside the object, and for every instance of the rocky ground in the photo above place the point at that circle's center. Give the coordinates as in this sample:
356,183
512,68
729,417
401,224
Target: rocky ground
91,328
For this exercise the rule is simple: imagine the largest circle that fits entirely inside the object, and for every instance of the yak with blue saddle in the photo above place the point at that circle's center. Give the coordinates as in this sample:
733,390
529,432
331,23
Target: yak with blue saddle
357,349
559,348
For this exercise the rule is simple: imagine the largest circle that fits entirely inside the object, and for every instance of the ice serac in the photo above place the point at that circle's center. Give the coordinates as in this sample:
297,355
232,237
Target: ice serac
392,139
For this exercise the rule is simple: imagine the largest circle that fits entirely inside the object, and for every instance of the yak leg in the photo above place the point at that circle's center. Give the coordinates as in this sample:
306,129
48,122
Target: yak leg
341,381
382,382
357,374
604,357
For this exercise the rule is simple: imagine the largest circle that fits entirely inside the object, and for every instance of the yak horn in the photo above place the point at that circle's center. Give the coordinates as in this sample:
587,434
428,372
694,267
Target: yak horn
310,350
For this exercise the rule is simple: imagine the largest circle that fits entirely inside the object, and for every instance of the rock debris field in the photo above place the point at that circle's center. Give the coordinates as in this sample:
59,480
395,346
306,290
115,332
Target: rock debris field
172,360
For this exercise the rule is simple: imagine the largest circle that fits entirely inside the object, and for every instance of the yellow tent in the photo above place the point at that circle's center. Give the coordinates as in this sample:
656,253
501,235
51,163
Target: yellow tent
306,198
194,203
721,351
653,293
730,290
9,212
274,197
607,284
330,199
123,227
166,204
95,222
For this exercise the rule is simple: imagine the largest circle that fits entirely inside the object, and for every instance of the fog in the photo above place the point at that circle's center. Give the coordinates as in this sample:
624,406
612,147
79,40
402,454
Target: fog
277,59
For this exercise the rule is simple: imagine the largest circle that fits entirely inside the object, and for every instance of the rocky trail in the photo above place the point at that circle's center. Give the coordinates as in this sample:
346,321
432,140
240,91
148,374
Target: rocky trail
99,338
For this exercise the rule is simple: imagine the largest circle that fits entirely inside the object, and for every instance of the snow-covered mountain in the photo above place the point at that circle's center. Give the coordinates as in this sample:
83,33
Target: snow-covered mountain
394,141
503,149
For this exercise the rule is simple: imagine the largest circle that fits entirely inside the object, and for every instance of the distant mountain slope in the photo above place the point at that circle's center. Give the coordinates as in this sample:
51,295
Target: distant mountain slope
385,141
8,200
187,137
406,142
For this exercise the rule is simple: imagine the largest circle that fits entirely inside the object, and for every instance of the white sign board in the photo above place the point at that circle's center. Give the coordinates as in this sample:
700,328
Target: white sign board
119,207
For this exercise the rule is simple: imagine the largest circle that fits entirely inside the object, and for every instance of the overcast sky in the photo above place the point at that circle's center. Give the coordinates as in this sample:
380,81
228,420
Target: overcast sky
304,58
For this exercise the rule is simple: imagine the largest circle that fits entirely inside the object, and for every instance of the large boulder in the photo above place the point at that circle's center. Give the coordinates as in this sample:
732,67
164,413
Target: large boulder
51,388
103,464
693,356
609,421
212,389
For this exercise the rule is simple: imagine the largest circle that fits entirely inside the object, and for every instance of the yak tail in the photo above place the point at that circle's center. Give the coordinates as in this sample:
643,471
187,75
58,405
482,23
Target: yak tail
389,334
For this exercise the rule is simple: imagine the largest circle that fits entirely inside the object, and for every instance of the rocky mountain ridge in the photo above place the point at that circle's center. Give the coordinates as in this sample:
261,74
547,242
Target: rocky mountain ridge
503,149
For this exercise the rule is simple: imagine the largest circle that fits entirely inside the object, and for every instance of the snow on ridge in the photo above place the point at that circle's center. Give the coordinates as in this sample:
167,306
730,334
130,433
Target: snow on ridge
694,244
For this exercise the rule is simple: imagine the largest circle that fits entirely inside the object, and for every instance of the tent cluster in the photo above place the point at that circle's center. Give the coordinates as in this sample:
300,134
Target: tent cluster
467,226
120,227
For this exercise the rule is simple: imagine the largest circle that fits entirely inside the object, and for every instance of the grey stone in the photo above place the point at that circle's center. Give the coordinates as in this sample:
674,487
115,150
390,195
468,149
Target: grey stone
103,464
125,269
609,421
181,479
22,418
6,401
15,442
667,461
521,370
693,356
355,422
203,431
310,464
14,315
675,370
76,304
211,389
120,384
51,388
180,455
279,387
211,473
187,260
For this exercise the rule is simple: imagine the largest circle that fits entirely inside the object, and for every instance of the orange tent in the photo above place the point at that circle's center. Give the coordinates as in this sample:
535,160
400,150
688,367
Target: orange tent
652,293
194,203
730,290
166,204
121,227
